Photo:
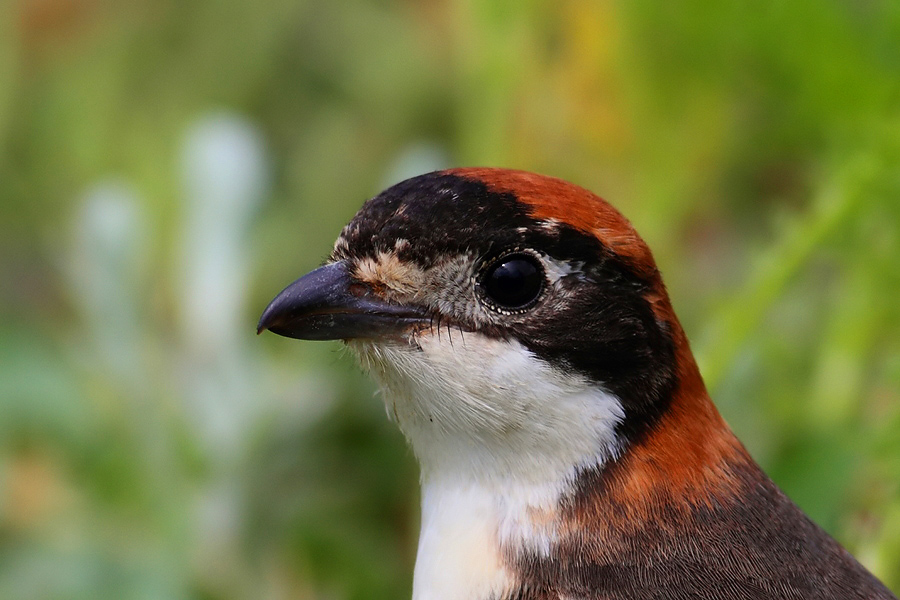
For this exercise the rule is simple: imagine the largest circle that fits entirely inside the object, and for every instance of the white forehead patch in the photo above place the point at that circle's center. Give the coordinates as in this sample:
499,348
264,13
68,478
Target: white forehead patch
386,270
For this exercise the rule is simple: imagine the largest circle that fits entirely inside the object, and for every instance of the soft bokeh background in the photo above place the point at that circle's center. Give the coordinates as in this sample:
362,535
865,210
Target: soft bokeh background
166,167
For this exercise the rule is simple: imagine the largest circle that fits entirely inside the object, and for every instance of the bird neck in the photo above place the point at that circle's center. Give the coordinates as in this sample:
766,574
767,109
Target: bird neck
481,523
469,529
518,455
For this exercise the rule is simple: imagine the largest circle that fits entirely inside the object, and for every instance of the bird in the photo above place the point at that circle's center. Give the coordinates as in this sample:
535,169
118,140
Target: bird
526,346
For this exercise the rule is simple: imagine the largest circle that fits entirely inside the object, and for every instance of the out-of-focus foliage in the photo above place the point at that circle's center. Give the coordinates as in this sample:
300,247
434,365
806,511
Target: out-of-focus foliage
166,167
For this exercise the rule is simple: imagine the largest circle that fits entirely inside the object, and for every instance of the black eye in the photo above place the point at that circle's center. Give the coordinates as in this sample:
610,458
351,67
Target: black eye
513,282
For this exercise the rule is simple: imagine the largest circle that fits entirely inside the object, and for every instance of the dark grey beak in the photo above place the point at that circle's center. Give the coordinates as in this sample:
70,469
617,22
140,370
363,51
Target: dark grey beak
327,304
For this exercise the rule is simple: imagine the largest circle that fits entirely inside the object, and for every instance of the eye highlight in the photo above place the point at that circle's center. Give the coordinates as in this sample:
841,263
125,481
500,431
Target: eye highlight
512,282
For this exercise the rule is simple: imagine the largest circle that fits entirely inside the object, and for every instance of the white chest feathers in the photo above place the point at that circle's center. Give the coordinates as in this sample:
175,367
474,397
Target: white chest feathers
459,553
500,436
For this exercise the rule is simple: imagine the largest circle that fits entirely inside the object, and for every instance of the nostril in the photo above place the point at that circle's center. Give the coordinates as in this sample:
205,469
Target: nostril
358,289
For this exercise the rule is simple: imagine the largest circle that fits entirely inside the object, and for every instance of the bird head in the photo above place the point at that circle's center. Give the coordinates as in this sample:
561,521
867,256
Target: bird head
517,323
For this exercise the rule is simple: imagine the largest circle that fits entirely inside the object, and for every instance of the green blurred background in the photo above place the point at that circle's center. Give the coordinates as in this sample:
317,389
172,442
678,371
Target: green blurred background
166,167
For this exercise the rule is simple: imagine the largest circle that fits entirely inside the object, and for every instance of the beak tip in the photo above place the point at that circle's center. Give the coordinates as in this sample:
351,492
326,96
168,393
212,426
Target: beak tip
266,320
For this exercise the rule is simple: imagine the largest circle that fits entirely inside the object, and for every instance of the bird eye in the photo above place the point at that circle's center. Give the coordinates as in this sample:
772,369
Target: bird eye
512,282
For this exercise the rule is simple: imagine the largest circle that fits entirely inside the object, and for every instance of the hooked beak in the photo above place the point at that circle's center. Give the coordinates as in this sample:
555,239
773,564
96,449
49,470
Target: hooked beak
327,304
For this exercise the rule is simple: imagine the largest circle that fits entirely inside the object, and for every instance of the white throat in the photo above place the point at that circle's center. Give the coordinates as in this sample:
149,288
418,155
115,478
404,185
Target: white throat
500,436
